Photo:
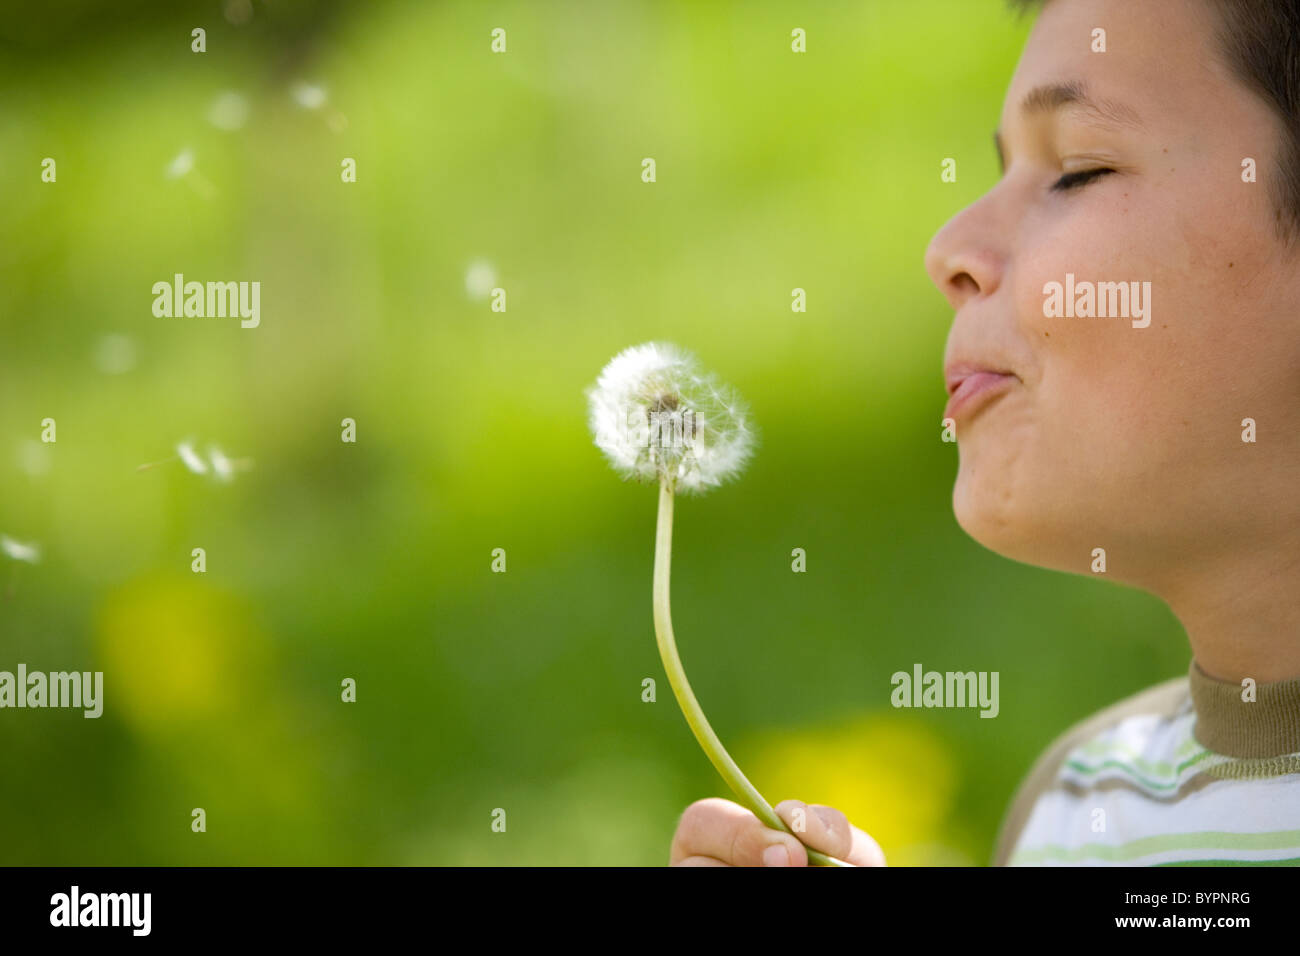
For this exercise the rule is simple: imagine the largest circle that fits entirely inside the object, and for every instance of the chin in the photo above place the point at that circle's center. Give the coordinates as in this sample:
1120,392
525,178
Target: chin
984,511
1008,523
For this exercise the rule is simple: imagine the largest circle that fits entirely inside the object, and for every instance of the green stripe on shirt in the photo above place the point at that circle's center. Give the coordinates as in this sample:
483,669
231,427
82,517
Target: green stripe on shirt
1119,765
1293,861
1207,840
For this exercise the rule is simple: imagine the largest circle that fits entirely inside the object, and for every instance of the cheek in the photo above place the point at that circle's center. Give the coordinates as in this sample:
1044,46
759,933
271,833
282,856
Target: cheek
1118,433
1100,373
1052,468
1089,378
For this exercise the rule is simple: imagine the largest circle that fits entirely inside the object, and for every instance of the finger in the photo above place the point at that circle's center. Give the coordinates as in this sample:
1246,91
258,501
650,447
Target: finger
699,861
827,829
728,832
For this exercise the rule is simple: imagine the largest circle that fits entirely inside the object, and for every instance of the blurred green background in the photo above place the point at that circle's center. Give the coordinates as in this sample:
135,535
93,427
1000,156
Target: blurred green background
371,560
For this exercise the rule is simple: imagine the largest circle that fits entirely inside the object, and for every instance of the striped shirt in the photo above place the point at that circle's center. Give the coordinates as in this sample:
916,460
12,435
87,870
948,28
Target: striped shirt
1183,773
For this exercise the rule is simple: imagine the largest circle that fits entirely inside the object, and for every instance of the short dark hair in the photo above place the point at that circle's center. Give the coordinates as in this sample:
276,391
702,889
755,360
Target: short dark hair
1260,41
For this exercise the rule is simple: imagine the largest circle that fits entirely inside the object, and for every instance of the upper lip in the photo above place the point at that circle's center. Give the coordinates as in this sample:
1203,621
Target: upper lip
955,372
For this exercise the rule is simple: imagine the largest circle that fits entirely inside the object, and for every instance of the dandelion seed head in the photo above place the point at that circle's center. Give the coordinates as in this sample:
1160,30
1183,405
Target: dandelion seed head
29,553
657,417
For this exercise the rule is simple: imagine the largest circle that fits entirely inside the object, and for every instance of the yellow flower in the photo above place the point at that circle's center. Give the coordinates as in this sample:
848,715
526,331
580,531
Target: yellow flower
891,777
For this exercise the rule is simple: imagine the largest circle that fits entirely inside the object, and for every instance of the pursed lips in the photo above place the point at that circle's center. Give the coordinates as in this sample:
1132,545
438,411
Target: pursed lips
972,384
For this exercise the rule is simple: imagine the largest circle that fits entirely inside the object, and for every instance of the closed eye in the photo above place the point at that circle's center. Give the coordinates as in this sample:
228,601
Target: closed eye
1080,178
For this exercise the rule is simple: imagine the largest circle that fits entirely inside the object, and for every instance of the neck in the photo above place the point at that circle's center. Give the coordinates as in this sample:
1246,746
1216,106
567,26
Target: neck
1241,612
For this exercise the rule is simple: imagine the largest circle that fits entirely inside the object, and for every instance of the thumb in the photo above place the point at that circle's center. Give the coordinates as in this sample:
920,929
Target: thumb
828,830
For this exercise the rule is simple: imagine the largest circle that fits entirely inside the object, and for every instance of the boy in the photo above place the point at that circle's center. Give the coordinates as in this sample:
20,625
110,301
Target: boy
1124,372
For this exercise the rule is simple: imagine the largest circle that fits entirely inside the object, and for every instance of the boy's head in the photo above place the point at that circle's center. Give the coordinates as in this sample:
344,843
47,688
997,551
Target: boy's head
1128,166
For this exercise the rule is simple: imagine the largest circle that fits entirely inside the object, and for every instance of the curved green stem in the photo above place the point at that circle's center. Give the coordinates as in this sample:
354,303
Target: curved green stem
713,749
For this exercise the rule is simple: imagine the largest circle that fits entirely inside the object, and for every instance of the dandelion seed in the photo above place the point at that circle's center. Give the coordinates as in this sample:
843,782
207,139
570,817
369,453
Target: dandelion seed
229,111
480,279
115,355
34,458
190,459
308,95
181,165
222,466
312,97
29,553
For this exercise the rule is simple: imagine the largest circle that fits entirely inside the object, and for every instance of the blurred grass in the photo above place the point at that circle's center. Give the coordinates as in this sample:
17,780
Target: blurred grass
329,560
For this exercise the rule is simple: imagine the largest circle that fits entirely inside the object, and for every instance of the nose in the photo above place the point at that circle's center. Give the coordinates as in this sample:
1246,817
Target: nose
966,257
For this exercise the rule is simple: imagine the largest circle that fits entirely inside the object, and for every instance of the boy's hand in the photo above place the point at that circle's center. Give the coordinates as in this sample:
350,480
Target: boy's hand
717,832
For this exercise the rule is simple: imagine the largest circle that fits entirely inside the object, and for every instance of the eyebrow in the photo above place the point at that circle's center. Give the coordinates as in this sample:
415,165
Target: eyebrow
1072,93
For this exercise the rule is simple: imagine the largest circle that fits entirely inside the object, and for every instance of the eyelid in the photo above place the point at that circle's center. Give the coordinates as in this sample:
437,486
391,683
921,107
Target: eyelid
1081,162
1080,177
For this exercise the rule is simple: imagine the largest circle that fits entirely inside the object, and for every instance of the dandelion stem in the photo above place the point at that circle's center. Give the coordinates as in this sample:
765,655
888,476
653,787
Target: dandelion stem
713,749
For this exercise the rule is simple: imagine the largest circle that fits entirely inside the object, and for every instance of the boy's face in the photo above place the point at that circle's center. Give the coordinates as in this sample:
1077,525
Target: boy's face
1111,436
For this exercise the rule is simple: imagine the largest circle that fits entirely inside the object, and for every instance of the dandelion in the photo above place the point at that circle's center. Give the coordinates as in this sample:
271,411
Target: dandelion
657,417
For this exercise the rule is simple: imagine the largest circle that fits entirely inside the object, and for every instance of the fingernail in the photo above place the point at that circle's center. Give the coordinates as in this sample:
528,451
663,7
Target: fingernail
776,855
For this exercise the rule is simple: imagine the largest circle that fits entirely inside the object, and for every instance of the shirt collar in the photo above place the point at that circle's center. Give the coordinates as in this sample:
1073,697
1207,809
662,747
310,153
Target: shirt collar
1268,726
